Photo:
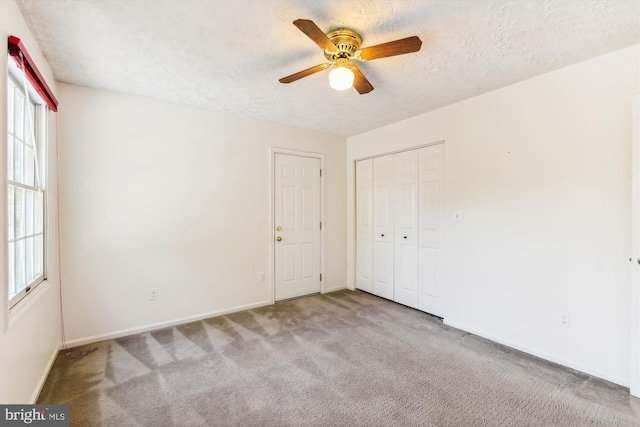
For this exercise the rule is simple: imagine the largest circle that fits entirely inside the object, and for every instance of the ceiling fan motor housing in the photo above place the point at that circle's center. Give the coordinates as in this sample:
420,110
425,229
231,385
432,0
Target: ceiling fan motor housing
347,41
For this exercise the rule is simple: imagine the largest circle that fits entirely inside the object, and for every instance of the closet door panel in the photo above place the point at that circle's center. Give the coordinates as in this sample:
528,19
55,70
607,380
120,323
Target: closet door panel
364,225
406,228
383,202
430,189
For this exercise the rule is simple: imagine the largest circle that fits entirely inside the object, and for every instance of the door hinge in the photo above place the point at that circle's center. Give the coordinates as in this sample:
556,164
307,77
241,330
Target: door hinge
320,225
321,172
321,277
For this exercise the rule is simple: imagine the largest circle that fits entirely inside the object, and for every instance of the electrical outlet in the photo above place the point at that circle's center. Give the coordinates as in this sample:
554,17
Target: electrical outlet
564,321
153,294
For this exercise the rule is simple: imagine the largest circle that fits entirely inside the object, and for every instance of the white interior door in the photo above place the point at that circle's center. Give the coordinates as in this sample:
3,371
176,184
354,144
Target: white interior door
383,182
406,228
297,222
430,176
364,223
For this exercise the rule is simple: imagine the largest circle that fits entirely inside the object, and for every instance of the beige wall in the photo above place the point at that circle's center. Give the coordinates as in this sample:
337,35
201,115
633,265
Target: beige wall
159,195
541,173
30,333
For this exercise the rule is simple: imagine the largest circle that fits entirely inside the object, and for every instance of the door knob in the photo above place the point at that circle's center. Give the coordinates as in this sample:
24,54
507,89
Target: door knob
278,238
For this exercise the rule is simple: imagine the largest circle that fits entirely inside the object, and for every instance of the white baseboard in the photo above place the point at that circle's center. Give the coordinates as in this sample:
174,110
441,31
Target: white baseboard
335,288
151,327
541,354
45,374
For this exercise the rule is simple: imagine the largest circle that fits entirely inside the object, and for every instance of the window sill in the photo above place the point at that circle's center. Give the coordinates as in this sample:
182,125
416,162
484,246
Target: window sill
26,304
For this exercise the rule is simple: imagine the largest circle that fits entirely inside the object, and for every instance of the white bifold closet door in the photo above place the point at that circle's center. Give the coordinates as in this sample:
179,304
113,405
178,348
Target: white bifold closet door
399,227
406,228
383,206
431,177
364,225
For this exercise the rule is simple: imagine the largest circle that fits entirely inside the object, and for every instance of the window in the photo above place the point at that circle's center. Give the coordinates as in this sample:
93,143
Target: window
25,186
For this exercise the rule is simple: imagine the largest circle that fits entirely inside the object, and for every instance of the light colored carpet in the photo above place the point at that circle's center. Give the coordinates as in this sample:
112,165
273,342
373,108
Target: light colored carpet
340,359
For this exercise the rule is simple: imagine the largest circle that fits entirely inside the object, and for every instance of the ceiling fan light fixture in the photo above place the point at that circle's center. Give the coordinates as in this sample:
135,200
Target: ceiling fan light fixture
342,46
341,78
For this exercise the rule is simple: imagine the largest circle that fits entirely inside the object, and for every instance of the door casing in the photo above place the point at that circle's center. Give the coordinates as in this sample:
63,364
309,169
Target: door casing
634,387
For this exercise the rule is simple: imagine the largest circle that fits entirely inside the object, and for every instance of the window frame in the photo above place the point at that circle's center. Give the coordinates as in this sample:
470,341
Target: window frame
39,121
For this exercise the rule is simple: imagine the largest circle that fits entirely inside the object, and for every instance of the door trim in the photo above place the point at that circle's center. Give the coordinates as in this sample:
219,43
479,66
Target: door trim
272,221
386,153
634,388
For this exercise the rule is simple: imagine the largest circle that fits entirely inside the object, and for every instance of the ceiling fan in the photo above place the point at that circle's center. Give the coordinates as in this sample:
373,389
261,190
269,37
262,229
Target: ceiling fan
341,47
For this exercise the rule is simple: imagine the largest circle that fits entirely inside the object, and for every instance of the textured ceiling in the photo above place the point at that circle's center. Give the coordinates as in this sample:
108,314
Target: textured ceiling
229,54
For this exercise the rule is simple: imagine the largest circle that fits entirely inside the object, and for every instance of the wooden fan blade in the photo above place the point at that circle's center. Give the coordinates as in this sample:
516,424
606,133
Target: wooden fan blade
304,73
314,33
396,47
360,82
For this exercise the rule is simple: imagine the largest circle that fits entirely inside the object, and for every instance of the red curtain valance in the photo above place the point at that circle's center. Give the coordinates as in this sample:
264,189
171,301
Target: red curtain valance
33,74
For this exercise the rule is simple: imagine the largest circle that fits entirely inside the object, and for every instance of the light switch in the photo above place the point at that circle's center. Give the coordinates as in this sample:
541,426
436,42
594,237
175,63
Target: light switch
457,216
